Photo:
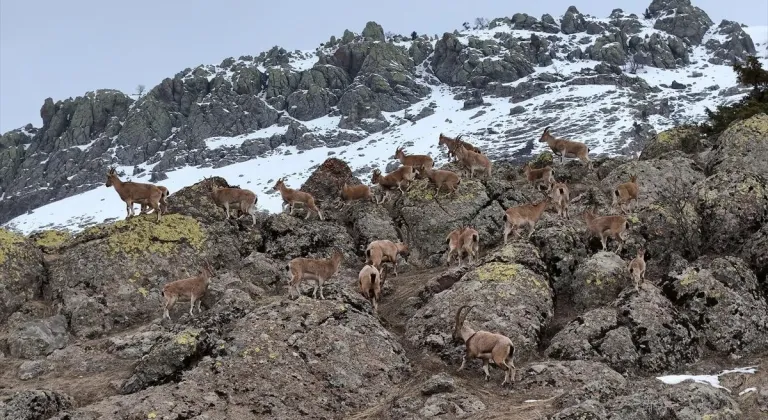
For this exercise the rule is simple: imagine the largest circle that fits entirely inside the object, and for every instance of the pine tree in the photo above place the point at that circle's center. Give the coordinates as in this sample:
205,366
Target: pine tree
752,74
414,35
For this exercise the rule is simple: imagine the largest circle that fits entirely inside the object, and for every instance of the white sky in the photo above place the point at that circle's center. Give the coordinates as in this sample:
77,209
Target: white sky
63,49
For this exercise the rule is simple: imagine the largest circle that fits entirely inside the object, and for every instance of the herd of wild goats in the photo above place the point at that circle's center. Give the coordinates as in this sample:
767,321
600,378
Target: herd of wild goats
463,241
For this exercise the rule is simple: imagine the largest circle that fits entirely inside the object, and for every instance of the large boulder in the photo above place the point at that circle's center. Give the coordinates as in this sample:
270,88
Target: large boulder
652,400
572,381
597,281
510,297
640,332
741,147
428,220
737,45
38,338
325,182
732,205
723,299
682,138
21,272
35,405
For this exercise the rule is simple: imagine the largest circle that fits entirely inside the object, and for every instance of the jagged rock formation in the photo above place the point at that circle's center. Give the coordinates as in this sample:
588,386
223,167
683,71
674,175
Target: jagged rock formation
347,89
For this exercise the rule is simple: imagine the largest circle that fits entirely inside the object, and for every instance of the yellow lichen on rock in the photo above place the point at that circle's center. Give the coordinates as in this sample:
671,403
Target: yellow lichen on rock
8,243
187,337
49,239
423,190
689,278
141,235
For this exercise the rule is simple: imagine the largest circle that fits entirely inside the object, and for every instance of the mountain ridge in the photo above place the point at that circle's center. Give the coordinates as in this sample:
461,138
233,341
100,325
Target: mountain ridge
499,83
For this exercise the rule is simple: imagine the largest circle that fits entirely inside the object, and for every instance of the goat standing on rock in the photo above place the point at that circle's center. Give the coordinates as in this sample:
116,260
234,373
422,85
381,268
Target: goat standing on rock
293,197
527,214
637,268
403,175
607,226
453,144
464,240
415,161
473,161
625,193
192,287
385,250
319,270
486,346
370,285
244,199
136,192
566,148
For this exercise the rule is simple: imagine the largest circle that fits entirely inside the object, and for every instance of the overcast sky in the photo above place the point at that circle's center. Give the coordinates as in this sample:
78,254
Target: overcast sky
63,49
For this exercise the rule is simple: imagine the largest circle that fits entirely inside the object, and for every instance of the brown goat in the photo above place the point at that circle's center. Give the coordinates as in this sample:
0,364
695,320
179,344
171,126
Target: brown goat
561,197
539,176
245,200
370,285
356,192
319,270
470,245
607,226
415,161
293,197
454,244
485,345
637,268
519,216
625,193
403,175
452,144
566,148
192,287
135,192
163,202
384,250
441,178
473,160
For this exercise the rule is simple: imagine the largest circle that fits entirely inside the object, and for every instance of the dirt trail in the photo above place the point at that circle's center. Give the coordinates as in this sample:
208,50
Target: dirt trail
501,403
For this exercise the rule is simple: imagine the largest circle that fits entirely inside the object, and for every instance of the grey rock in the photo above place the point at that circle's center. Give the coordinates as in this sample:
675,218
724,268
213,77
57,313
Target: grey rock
572,22
680,18
38,338
676,85
438,384
580,379
653,400
598,281
516,110
21,272
35,404
373,32
739,146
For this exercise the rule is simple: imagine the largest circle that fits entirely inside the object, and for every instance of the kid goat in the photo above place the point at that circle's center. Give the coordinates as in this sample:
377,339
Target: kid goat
192,287
136,192
441,178
293,197
637,268
625,193
486,346
319,270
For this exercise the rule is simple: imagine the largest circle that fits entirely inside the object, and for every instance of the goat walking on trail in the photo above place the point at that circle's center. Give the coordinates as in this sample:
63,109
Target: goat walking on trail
486,346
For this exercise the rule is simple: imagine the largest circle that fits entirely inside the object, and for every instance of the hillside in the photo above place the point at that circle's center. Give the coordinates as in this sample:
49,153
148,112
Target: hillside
281,113
82,334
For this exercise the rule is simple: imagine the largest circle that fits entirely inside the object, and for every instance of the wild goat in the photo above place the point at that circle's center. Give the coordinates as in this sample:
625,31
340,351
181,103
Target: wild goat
566,148
403,175
473,160
454,244
519,216
135,192
245,200
625,193
452,144
607,226
293,197
485,345
539,176
470,244
441,178
163,202
192,287
637,268
370,285
415,161
319,270
561,197
384,250
356,192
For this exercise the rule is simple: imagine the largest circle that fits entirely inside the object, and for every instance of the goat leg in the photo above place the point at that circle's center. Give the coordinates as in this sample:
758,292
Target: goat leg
191,305
485,369
463,362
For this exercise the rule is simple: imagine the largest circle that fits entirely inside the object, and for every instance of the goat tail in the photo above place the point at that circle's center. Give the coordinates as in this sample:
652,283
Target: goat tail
616,192
166,193
475,237
505,218
368,253
626,225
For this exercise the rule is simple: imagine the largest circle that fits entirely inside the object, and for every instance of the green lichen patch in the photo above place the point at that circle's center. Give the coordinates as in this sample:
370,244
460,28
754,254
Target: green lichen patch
8,244
50,239
689,278
187,337
423,190
141,235
542,159
496,271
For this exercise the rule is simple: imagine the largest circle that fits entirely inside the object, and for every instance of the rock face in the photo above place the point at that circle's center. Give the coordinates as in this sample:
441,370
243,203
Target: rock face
33,405
680,18
38,338
21,272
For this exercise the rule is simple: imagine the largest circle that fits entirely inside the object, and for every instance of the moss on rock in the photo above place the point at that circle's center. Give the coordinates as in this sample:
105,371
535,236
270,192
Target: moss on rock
142,235
50,239
8,244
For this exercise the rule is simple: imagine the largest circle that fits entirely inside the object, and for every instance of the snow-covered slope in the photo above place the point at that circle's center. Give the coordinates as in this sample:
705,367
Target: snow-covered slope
602,115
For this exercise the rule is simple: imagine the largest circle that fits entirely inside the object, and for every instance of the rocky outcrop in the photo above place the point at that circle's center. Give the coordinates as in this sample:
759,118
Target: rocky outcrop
22,273
680,18
736,46
34,405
